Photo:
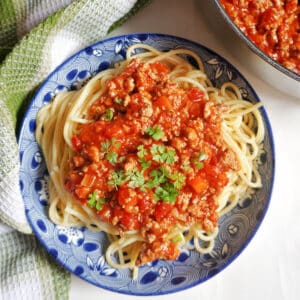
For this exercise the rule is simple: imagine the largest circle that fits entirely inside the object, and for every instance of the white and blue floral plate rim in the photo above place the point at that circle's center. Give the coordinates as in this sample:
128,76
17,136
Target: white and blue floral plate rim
81,251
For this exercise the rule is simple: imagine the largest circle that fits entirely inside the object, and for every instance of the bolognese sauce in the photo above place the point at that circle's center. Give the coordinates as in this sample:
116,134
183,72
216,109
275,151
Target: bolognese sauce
273,25
151,157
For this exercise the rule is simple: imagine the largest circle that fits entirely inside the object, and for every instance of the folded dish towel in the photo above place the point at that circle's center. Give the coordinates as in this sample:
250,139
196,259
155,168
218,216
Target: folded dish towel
36,36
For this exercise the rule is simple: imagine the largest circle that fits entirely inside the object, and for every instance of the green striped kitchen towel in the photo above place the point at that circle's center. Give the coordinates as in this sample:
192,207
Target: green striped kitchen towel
36,36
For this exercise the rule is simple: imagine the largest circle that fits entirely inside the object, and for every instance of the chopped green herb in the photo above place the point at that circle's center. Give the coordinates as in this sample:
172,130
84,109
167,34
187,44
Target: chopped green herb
118,101
178,238
157,151
163,154
112,157
105,145
144,163
93,198
198,164
115,144
100,203
122,159
141,151
157,177
179,180
186,166
117,178
169,156
109,114
166,192
96,202
156,132
135,178
198,161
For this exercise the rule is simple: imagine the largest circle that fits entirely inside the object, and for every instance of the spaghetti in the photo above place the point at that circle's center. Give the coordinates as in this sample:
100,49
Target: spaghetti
150,153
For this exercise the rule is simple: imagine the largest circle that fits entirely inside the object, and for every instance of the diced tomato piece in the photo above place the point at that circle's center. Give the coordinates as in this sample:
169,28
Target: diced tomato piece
69,186
114,129
199,184
196,110
208,153
130,221
145,202
76,143
217,179
163,102
196,95
90,132
74,177
127,198
162,210
88,180
118,212
223,179
160,68
82,192
123,194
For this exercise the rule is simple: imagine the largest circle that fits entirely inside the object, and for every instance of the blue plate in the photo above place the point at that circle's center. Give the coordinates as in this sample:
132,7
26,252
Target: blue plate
81,251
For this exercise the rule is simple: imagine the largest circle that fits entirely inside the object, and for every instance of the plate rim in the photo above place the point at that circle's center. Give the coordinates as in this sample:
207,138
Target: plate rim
268,128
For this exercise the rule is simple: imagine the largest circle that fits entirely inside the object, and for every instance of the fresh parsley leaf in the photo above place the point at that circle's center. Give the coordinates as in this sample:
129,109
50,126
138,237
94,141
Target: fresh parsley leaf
100,203
92,199
163,154
157,177
115,143
198,164
142,152
105,145
118,100
117,178
145,164
122,159
166,192
112,157
109,114
157,151
169,156
135,178
178,179
155,132
186,166
198,161
96,202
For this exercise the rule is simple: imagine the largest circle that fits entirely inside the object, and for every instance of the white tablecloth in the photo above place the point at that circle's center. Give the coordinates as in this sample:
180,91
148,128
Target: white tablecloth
269,268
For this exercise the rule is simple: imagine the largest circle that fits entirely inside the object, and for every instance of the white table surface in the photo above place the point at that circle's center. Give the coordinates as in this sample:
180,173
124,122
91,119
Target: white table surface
269,268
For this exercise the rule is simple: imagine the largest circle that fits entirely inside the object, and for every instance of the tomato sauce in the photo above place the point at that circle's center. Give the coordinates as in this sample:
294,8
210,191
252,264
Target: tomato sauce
151,158
273,25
